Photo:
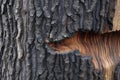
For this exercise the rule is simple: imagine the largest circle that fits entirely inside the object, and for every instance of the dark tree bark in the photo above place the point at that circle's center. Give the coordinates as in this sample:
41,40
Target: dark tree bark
26,26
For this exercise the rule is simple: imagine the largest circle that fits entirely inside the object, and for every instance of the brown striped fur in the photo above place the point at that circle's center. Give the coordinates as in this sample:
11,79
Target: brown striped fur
103,48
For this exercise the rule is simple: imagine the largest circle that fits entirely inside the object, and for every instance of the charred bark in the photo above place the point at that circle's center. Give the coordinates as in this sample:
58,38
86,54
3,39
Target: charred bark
26,26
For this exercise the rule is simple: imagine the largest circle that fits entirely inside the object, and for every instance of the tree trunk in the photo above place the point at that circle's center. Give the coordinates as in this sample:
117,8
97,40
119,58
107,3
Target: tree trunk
26,26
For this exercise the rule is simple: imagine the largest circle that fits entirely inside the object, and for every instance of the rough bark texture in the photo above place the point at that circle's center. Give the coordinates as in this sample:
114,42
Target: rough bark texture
116,19
103,48
25,26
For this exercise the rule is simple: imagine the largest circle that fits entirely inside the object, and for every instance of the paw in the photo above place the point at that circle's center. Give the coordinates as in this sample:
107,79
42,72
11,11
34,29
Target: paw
51,50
